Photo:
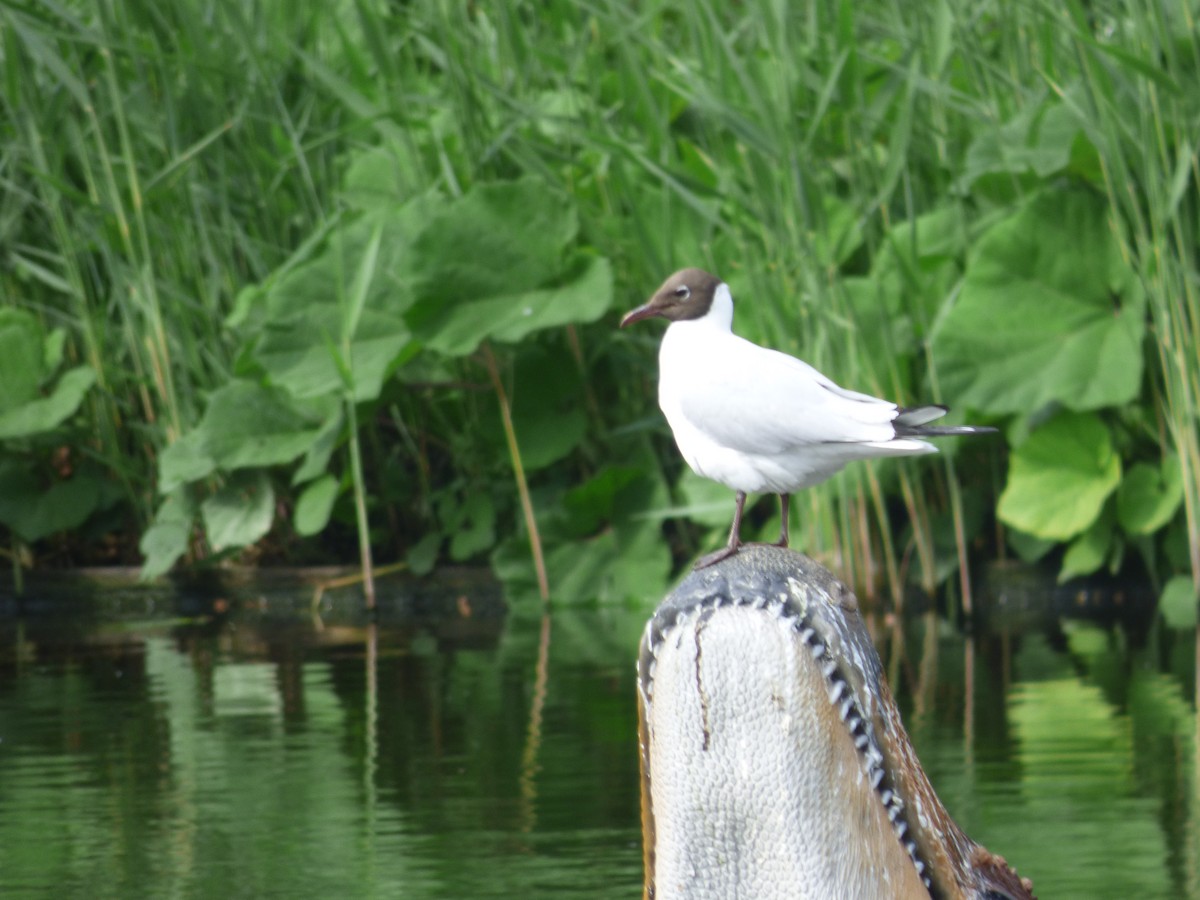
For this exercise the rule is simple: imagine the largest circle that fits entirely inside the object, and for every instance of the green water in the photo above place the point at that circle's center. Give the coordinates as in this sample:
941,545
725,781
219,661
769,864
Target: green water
467,755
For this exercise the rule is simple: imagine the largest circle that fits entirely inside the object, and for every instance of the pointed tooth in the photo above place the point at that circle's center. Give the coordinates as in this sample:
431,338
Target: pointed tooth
847,705
828,668
855,723
901,829
876,778
818,649
807,635
861,742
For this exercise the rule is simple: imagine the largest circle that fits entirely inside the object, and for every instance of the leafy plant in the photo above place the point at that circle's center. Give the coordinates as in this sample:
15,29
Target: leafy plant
320,340
350,306
37,398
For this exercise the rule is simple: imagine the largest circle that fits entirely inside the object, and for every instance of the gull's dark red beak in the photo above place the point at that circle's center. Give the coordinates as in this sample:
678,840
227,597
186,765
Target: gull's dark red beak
645,311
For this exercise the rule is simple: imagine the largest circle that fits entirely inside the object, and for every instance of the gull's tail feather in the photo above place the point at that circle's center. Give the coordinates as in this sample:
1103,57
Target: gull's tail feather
911,422
913,416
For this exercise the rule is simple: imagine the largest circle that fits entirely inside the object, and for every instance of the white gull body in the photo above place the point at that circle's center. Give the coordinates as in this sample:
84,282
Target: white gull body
757,420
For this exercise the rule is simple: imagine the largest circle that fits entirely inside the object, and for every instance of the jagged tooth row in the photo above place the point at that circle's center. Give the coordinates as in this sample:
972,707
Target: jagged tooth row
840,696
837,688
911,847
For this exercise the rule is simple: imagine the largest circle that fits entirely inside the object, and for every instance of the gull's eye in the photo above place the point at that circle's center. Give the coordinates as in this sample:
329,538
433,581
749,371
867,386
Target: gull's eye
682,292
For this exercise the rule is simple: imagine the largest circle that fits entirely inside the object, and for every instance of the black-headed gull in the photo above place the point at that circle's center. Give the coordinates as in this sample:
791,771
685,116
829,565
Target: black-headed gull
757,420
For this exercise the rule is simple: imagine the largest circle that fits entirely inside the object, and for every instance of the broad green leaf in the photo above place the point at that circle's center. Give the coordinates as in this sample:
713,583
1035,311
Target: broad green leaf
298,354
1038,139
558,112
1149,496
28,359
46,413
605,547
604,568
840,235
595,502
915,269
495,263
22,366
475,528
504,237
1059,478
52,349
35,512
547,435
607,569
585,296
354,303
1049,312
547,411
241,512
1090,550
247,425
161,545
316,460
704,501
1178,603
1029,549
184,461
327,277
315,505
373,176
167,538
936,235
460,326
422,556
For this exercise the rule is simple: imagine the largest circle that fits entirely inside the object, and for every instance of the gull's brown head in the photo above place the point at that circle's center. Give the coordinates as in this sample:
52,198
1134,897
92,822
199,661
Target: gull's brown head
688,294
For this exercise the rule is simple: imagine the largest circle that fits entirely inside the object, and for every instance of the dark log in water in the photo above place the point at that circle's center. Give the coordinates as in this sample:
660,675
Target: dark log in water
774,761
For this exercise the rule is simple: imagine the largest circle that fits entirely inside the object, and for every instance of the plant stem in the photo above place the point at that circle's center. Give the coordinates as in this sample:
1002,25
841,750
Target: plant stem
514,451
360,507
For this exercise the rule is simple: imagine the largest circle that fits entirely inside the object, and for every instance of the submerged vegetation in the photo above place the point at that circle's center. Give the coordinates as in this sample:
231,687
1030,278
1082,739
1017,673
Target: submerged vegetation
296,282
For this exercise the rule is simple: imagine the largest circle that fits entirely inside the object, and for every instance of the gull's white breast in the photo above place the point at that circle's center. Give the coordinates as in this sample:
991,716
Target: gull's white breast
757,420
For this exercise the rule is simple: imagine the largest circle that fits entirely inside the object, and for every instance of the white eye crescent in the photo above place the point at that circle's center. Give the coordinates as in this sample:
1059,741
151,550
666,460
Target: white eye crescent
682,292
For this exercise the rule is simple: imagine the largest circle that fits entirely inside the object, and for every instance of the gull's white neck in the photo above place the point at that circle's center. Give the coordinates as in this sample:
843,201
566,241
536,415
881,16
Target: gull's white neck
719,315
688,349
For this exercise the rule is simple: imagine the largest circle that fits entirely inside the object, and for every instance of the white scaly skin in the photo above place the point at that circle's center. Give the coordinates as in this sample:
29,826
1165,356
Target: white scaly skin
774,761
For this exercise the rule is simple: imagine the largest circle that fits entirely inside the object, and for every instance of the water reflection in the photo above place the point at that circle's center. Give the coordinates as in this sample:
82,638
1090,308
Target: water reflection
452,751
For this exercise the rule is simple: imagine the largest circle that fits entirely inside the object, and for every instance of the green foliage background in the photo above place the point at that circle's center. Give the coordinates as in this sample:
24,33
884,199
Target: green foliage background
289,279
